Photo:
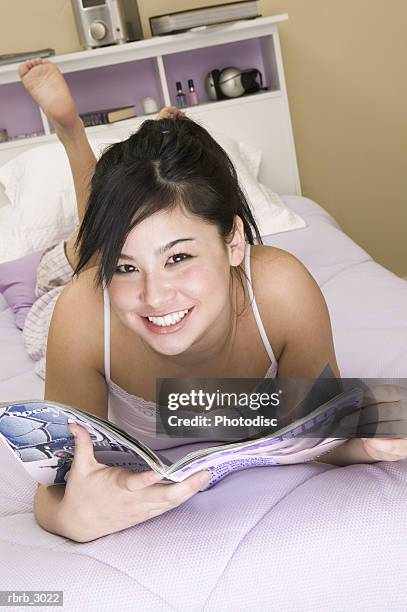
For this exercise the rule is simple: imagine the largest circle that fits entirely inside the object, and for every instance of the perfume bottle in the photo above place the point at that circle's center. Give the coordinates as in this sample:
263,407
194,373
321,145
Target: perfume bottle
192,95
180,98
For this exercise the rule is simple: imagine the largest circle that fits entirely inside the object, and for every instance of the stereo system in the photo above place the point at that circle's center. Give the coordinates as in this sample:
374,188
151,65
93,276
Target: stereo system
107,22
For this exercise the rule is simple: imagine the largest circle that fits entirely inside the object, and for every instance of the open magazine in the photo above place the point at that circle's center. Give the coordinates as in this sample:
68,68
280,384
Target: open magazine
37,434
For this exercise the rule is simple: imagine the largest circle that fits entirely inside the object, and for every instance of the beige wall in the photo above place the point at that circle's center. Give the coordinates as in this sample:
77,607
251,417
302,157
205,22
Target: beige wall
345,63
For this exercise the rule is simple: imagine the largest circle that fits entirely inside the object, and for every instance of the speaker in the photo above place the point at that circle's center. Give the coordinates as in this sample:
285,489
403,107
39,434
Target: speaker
100,22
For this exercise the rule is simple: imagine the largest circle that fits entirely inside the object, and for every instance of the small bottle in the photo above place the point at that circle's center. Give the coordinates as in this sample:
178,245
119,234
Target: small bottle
180,98
192,95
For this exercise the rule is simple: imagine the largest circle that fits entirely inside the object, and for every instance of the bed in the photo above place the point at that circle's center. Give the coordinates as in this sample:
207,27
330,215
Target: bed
310,537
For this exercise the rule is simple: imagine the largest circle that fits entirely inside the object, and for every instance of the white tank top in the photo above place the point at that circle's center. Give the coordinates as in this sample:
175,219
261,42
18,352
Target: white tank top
135,414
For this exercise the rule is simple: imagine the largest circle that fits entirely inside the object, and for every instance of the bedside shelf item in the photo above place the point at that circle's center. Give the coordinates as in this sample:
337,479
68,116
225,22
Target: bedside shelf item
112,115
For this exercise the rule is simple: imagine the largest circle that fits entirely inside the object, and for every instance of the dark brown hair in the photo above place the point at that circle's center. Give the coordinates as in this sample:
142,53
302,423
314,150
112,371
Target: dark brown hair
166,163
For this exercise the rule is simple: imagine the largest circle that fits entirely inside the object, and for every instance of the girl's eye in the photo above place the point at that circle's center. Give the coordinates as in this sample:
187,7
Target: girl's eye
124,269
128,269
179,257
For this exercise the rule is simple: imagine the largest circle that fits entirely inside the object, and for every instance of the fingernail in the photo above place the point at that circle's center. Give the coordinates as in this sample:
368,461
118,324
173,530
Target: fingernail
205,478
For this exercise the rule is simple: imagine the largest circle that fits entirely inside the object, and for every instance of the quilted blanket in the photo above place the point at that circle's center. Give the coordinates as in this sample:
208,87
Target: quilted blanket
311,537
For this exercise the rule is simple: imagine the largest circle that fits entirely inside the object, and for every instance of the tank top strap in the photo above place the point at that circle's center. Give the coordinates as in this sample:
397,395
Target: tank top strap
106,331
256,313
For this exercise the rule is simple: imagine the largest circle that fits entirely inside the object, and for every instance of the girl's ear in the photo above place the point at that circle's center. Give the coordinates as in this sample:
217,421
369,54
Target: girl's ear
236,245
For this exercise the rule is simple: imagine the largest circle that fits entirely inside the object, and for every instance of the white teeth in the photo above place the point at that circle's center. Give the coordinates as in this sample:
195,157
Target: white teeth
169,319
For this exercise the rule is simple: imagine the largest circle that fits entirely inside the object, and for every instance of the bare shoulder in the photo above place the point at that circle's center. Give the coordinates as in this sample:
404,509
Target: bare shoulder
74,360
290,302
80,310
284,291
278,266
81,291
282,284
280,275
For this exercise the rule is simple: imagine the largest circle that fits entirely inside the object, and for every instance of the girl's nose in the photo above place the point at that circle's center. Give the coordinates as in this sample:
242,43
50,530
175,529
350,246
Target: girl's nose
156,293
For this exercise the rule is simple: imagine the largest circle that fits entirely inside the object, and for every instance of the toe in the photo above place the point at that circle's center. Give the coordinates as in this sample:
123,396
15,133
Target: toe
24,68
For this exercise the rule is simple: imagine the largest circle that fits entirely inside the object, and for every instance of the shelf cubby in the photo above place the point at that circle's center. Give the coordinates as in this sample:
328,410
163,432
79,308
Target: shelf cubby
19,114
196,64
116,86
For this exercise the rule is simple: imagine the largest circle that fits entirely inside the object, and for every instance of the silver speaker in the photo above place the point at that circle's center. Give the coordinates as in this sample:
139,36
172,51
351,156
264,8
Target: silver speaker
100,22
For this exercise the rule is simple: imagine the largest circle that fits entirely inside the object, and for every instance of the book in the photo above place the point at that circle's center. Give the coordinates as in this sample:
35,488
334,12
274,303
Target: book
36,432
111,115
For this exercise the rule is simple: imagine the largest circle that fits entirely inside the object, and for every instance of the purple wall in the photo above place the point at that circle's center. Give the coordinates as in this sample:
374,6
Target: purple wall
18,113
113,86
127,84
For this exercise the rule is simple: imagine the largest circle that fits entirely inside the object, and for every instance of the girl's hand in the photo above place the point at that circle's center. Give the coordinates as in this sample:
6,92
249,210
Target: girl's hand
170,112
100,500
385,449
385,406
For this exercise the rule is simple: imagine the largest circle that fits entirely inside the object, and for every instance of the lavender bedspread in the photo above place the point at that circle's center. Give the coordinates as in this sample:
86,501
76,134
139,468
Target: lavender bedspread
304,537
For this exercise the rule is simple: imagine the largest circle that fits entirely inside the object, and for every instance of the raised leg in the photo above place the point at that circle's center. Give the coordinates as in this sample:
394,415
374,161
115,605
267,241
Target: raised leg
46,85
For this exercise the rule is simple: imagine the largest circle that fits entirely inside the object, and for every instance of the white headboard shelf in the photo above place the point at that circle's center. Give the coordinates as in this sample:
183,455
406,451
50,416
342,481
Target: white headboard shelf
261,120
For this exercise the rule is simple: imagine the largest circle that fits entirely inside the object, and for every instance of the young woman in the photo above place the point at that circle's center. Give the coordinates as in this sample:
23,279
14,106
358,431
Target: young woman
168,283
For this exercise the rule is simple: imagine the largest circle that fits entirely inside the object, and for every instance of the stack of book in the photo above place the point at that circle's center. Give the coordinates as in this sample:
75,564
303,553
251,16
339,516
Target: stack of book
110,115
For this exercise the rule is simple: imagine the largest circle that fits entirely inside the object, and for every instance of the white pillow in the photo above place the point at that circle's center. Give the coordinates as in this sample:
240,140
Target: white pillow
251,157
42,210
271,214
4,201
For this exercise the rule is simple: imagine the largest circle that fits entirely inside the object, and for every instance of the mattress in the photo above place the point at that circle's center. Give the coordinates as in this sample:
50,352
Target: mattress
309,537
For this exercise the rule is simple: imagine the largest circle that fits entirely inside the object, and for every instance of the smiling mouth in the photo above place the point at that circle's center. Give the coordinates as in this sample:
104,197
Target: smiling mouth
171,321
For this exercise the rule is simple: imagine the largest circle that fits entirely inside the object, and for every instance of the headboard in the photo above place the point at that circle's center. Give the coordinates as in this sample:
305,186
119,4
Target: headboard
258,120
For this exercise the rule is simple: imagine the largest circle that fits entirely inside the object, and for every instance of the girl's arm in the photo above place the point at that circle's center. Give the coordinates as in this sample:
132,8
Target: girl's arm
296,305
351,451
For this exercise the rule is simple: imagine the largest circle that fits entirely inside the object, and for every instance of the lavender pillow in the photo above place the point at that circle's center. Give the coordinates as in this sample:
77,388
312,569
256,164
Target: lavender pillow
17,284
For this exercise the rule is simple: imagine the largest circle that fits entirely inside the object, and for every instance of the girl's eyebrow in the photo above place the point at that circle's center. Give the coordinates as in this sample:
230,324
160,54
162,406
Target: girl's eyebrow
161,250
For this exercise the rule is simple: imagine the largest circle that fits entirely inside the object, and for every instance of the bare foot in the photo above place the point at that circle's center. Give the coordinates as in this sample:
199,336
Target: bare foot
46,85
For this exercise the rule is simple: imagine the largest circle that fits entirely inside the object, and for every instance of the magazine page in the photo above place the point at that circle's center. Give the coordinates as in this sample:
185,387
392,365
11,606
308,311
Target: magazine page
37,434
303,440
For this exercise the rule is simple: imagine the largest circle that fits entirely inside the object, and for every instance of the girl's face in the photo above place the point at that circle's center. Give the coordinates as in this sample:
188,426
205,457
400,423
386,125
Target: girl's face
172,282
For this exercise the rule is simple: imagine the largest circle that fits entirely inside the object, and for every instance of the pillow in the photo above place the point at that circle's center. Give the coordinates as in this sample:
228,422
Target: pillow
42,210
4,201
270,212
251,157
17,284
278,218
